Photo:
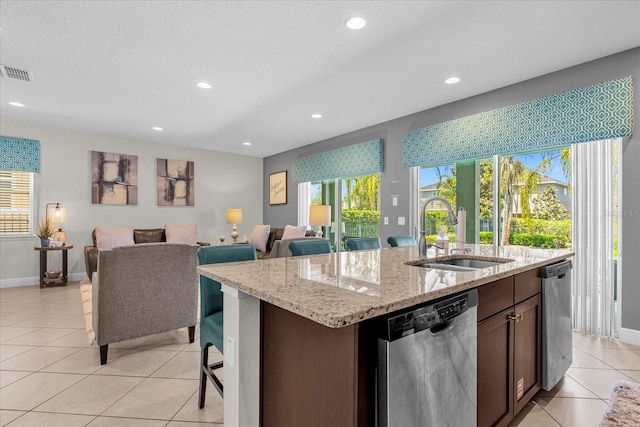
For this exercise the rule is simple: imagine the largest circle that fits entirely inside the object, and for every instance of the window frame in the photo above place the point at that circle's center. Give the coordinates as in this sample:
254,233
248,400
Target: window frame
30,210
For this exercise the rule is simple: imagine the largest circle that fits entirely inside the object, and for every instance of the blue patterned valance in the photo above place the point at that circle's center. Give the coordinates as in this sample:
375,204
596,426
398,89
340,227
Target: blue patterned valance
365,158
592,113
19,154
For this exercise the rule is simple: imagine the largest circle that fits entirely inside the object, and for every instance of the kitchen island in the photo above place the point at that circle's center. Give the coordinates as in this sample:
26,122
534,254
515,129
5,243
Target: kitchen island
298,330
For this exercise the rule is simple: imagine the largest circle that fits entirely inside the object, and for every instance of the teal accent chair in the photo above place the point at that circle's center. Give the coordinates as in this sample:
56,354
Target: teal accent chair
211,310
310,247
360,243
397,241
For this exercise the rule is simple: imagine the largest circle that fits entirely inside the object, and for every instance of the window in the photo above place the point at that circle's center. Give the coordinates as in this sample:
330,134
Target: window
465,185
534,204
16,203
357,213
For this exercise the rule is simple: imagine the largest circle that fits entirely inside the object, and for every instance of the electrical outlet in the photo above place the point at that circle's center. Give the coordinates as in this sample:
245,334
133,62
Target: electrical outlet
394,200
386,220
230,351
400,220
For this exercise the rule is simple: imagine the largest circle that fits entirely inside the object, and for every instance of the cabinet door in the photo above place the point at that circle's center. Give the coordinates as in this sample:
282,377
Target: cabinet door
495,370
527,351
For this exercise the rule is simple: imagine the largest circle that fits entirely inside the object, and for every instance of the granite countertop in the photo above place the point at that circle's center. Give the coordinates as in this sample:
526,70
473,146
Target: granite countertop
341,289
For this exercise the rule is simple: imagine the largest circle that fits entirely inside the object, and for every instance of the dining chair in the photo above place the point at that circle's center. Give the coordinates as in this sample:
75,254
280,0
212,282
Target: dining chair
211,310
398,241
309,247
360,243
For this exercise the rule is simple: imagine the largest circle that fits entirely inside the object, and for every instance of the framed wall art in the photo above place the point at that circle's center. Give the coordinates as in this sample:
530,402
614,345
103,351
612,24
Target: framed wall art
278,188
175,182
114,179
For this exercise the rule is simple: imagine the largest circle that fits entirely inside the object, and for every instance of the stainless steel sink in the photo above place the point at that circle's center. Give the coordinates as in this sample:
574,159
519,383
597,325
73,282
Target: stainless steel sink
458,263
470,262
449,267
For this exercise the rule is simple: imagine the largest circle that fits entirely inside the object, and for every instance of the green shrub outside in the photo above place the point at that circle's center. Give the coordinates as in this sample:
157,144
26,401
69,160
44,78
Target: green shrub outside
486,237
524,232
541,226
361,223
363,217
525,239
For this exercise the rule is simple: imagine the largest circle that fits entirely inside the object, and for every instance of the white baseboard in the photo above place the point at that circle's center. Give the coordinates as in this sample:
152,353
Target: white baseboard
630,336
34,281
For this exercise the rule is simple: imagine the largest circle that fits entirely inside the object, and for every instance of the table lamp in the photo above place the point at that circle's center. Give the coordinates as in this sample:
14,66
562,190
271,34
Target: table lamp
57,216
234,216
320,216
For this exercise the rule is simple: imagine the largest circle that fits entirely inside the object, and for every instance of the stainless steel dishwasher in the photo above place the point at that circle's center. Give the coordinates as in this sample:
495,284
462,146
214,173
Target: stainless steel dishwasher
557,343
427,361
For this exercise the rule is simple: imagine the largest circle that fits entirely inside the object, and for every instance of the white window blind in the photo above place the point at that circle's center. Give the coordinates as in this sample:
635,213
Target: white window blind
16,203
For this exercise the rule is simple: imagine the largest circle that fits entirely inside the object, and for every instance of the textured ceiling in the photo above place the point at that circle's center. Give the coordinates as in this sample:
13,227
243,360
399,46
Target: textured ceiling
120,67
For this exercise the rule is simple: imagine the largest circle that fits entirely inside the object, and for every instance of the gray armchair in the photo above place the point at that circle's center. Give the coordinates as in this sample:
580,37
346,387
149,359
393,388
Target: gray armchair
142,290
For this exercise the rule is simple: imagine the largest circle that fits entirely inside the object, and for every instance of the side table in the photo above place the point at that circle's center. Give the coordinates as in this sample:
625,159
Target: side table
44,251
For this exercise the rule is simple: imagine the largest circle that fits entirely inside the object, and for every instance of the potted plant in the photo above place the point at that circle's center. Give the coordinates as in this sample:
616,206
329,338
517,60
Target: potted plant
45,231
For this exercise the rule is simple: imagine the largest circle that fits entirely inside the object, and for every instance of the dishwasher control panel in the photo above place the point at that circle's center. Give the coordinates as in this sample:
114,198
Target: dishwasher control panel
427,316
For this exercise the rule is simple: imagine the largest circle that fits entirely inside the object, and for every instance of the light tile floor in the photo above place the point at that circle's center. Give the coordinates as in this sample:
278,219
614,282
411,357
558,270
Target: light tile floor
581,396
50,375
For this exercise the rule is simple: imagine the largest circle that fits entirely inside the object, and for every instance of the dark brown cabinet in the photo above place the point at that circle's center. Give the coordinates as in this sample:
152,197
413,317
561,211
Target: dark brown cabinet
509,347
307,368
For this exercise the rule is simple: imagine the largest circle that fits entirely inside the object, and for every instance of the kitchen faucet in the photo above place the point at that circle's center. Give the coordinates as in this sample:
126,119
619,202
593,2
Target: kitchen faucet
422,244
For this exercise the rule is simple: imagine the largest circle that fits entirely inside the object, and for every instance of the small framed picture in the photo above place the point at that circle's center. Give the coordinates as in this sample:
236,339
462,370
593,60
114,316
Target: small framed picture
278,188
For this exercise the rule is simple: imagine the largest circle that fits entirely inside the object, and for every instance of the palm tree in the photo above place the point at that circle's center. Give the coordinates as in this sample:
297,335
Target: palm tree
366,192
349,197
517,179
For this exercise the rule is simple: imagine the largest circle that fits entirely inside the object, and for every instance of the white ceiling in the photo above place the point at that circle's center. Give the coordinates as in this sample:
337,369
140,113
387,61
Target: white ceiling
121,67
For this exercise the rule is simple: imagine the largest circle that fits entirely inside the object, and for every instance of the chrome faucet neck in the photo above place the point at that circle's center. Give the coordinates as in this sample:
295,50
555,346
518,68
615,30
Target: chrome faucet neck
422,244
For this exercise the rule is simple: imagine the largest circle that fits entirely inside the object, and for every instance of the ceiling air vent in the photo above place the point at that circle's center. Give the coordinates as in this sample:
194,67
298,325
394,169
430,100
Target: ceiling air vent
16,73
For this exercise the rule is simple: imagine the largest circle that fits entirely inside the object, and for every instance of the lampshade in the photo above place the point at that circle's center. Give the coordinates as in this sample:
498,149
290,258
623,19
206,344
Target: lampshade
320,215
56,215
234,216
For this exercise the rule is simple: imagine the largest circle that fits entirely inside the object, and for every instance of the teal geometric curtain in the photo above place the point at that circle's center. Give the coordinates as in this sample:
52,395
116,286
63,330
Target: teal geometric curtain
593,113
19,154
365,158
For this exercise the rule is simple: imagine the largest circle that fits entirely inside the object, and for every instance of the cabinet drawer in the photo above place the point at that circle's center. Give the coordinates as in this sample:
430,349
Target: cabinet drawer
527,284
495,297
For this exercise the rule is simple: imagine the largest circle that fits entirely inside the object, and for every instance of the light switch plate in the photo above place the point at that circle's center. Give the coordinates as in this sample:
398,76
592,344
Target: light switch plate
230,351
400,220
386,220
394,200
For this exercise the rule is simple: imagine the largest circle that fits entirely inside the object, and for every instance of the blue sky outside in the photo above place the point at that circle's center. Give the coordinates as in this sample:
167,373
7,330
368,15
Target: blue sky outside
531,160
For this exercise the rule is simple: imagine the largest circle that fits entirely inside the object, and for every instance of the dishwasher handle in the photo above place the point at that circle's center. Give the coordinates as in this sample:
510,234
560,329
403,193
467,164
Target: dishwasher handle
441,328
558,269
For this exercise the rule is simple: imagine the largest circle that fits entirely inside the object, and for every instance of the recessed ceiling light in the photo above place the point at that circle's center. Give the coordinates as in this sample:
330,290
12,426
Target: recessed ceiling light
156,128
246,143
356,23
16,104
452,80
203,85
316,116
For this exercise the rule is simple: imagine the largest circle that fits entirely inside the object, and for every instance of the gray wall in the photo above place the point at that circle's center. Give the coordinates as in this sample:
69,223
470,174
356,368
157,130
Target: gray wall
222,181
395,180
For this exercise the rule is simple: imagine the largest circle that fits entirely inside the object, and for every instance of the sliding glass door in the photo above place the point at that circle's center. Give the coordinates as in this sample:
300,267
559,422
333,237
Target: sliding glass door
466,186
533,204
355,206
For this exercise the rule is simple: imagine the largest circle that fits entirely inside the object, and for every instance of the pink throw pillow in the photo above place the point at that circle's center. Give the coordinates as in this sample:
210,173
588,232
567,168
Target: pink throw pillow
294,232
259,237
186,234
113,237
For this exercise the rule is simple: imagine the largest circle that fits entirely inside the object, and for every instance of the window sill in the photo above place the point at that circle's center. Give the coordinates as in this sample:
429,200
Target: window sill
17,237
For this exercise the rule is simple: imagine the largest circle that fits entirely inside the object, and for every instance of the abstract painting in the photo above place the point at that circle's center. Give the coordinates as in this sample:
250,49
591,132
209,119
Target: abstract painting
175,182
114,179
